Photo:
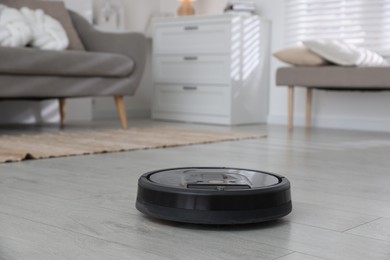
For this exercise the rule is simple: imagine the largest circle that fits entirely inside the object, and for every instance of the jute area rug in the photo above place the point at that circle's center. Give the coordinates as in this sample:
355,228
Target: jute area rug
49,145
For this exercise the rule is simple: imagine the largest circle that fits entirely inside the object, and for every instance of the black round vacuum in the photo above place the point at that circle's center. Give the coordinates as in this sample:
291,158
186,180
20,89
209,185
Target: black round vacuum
209,195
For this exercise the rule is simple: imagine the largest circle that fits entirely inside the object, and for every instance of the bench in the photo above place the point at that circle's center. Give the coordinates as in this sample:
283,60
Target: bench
329,78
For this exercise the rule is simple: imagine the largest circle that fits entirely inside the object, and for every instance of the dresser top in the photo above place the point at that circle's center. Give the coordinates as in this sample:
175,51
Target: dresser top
200,18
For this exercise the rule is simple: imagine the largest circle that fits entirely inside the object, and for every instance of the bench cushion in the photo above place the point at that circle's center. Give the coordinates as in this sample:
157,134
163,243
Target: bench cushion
335,77
34,62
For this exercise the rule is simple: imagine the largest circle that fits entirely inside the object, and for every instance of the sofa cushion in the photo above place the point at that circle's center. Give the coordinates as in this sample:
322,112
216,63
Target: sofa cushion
335,77
56,10
30,61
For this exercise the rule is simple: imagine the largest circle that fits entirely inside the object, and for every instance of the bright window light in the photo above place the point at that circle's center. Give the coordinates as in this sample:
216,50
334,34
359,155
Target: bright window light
365,23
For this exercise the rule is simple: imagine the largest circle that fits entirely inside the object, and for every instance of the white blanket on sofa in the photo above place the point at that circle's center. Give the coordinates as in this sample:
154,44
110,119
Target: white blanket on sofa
14,31
23,27
48,33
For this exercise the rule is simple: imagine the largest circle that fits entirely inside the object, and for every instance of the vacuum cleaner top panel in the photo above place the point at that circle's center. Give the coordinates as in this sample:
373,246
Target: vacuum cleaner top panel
213,179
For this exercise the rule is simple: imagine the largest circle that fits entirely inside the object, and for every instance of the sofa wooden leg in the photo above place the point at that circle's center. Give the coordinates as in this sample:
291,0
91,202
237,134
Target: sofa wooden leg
309,97
290,107
120,104
62,106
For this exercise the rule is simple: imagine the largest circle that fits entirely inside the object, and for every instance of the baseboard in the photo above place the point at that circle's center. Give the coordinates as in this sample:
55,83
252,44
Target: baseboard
365,124
113,114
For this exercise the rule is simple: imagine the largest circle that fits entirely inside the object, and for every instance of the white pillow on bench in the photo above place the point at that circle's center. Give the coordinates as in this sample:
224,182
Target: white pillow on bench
345,54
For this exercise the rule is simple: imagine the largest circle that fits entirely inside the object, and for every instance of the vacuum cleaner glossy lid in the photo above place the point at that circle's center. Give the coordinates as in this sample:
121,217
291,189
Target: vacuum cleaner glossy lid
210,195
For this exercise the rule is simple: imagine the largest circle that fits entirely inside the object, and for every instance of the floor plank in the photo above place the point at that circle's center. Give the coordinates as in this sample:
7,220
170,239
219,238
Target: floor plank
25,239
326,218
316,241
299,256
378,229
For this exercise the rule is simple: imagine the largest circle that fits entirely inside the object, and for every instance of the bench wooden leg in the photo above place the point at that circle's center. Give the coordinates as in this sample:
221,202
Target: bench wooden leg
290,107
62,106
120,104
309,97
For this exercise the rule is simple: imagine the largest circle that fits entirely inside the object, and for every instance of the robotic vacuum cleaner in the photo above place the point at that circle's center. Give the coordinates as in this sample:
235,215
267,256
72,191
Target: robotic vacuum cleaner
209,195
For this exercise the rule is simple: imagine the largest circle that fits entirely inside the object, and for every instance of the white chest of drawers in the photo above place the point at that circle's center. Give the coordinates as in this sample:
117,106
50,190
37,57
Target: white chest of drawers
211,69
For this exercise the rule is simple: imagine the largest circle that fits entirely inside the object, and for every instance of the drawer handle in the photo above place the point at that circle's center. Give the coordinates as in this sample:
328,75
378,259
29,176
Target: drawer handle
190,87
190,58
191,28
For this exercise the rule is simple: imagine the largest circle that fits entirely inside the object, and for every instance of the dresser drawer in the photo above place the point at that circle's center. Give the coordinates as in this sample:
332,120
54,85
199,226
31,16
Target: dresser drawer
193,69
207,100
193,37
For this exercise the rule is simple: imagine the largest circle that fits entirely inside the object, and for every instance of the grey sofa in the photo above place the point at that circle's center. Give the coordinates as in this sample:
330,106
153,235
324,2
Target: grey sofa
112,65
336,78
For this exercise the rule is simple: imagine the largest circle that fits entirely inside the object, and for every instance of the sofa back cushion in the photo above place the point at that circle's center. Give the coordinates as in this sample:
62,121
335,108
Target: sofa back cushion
56,10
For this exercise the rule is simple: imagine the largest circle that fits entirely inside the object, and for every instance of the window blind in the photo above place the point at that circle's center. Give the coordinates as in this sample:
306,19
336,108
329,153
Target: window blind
365,23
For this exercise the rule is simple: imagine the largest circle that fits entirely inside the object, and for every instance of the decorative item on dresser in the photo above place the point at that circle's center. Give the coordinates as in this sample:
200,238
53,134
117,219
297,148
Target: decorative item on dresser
239,6
211,69
186,8
111,15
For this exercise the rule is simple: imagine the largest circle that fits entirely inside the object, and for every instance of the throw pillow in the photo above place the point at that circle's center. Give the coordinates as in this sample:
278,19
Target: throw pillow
48,33
345,54
14,31
57,11
300,56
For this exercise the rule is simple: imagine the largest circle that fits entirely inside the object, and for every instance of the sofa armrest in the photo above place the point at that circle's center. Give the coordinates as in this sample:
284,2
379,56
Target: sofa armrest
132,45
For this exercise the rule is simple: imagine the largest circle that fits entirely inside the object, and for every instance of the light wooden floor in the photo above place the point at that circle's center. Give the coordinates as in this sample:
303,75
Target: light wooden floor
83,207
